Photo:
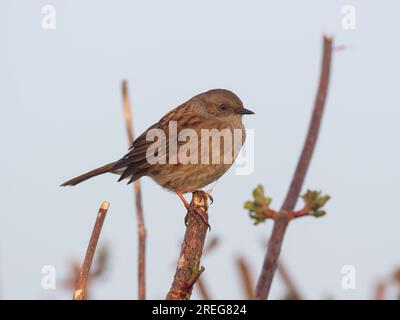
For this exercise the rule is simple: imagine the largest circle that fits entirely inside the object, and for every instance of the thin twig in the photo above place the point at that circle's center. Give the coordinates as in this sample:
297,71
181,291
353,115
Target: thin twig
138,200
292,292
80,290
246,277
380,290
396,279
188,269
202,289
201,286
280,224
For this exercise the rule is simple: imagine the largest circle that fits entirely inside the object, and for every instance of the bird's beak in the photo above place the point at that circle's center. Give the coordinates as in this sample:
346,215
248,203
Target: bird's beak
245,111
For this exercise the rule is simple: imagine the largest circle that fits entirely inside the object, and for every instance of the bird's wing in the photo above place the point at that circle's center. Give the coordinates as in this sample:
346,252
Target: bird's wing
135,163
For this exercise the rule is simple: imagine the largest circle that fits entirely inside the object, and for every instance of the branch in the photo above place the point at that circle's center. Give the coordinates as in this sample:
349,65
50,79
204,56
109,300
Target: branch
246,277
281,222
188,269
292,292
80,290
138,200
202,288
396,279
380,290
98,268
259,208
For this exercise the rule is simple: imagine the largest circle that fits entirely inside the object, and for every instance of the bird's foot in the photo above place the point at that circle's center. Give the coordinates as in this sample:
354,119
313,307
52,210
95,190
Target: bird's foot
197,213
194,210
209,196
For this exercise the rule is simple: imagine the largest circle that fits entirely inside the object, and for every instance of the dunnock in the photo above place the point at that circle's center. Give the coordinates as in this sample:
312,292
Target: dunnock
190,151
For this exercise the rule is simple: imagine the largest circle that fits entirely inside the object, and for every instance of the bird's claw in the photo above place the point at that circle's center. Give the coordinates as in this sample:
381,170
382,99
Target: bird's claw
209,196
197,215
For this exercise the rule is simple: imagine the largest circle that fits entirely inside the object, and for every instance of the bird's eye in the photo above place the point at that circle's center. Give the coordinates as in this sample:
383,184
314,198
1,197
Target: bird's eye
223,107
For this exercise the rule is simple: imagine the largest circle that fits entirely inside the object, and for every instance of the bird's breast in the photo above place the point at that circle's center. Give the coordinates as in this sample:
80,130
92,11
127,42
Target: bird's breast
199,160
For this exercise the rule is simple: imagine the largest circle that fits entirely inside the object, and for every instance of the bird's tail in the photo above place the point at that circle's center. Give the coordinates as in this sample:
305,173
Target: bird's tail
83,177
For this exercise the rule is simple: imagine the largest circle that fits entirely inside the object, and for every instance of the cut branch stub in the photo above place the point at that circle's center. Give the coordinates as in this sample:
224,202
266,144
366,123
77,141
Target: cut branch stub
189,268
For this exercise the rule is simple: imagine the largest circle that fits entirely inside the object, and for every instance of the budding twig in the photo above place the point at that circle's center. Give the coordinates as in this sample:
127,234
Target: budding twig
259,209
80,290
138,200
188,269
281,222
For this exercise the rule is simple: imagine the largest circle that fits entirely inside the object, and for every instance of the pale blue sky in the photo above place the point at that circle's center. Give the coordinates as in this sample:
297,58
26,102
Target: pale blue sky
62,115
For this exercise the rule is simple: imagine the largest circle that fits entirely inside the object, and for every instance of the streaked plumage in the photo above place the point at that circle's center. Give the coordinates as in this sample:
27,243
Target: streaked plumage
215,109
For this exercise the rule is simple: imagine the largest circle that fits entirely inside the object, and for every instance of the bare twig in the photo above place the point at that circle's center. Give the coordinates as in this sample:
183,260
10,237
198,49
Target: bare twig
380,290
292,292
98,268
396,279
188,269
138,200
80,290
246,277
202,289
211,245
281,222
201,284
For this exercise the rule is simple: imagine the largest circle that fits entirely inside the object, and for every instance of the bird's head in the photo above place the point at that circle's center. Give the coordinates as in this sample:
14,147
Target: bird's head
223,104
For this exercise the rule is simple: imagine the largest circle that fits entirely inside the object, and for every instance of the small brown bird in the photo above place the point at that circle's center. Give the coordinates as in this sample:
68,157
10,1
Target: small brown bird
196,144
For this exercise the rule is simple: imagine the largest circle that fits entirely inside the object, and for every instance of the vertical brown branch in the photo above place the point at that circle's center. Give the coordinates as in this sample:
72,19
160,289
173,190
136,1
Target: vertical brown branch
202,289
188,269
292,292
80,292
138,200
380,290
127,112
246,277
201,286
280,224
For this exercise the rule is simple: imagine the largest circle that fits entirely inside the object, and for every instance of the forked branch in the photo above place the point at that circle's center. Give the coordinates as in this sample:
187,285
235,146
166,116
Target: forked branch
282,220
